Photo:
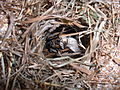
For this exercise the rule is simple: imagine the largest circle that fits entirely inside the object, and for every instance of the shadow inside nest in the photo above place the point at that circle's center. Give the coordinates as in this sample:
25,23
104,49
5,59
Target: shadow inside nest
62,42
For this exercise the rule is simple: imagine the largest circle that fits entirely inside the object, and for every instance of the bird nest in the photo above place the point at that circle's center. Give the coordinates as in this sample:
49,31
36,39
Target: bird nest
55,44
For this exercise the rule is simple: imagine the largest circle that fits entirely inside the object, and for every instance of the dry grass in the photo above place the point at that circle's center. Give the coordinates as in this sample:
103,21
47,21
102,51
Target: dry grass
34,56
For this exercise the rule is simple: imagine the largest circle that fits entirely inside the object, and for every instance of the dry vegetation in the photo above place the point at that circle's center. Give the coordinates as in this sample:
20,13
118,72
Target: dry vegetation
59,44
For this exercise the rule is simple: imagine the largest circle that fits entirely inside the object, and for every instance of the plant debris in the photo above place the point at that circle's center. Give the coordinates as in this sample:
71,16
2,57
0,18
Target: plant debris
59,44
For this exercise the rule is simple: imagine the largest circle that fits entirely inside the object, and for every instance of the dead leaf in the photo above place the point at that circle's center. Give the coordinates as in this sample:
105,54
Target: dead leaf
71,43
82,69
117,60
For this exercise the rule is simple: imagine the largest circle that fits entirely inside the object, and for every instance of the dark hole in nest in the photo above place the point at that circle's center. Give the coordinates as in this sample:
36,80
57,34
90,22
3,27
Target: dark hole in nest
53,47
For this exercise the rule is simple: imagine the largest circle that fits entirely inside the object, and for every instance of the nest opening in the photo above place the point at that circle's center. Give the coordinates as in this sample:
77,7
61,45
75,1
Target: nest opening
62,42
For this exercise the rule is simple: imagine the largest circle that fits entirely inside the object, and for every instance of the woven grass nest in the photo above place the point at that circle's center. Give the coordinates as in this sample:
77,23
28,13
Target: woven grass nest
59,44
